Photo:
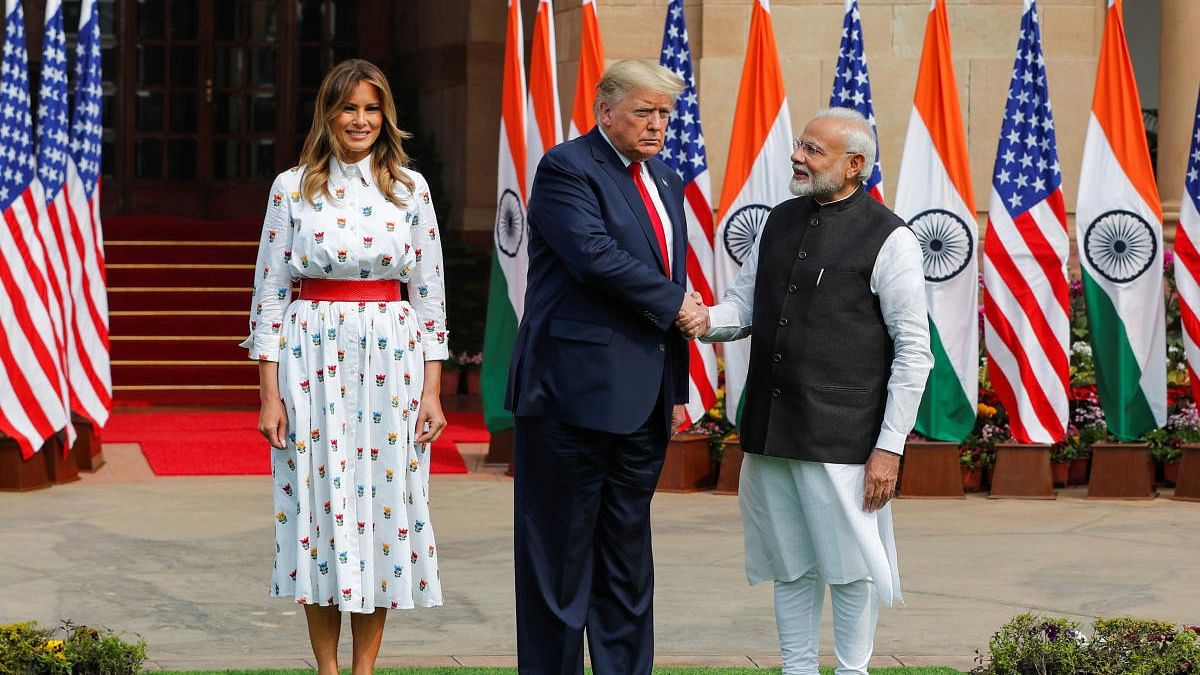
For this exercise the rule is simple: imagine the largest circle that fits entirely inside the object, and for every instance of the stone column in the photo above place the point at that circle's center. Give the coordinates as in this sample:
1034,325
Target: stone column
1178,84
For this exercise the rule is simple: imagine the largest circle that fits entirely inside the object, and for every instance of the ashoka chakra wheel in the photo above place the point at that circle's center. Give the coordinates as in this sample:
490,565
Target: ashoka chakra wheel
743,228
1120,245
947,246
510,224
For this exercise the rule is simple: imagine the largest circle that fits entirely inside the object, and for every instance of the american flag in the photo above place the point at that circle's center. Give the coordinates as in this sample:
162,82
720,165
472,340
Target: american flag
1187,259
68,219
1026,315
83,178
852,85
31,403
684,152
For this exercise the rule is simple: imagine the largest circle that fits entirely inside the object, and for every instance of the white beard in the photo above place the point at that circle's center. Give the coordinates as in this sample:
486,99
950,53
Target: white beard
818,186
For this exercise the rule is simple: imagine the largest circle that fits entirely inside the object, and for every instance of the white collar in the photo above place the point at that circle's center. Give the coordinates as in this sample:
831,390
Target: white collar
360,169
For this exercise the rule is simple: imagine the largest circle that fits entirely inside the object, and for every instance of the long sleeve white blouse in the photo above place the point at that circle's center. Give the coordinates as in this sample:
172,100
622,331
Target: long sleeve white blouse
351,233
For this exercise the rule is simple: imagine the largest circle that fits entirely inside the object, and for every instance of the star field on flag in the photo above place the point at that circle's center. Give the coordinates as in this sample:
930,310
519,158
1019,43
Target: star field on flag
684,147
1027,169
852,84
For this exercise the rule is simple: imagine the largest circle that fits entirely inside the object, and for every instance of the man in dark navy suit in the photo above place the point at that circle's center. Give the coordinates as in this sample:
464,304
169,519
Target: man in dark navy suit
598,379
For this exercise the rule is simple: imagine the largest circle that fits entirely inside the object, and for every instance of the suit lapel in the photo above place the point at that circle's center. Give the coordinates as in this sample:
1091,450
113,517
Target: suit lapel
607,156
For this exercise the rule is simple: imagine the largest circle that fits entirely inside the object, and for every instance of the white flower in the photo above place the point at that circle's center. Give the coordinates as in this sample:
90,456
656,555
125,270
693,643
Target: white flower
1081,348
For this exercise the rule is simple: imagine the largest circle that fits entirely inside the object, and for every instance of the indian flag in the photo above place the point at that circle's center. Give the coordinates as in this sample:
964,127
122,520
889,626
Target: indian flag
757,176
591,67
933,194
510,259
1118,229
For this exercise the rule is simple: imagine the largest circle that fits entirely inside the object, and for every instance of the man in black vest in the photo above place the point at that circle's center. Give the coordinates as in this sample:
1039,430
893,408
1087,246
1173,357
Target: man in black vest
835,293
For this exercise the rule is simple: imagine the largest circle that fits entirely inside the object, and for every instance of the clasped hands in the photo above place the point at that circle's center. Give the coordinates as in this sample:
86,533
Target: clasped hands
693,316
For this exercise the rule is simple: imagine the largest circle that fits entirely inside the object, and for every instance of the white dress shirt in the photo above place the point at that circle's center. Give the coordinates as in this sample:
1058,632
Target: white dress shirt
898,279
650,180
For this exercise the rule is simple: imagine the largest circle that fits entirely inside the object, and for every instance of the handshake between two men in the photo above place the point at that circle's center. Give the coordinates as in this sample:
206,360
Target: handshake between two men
693,319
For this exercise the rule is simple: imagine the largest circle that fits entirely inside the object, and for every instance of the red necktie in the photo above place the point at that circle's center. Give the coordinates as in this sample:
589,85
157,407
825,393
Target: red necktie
635,170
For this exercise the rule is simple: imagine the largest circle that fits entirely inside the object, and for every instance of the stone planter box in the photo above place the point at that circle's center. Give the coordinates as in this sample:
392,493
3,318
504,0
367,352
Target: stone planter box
18,474
88,457
930,470
1121,471
1022,472
688,466
1187,486
730,473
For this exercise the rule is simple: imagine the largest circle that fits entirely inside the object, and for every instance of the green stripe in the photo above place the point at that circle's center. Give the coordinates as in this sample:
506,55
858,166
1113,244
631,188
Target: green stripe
945,413
1118,374
499,334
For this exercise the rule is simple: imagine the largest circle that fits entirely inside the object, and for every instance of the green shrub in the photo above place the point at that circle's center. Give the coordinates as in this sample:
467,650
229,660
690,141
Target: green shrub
1126,645
1036,645
1033,645
29,649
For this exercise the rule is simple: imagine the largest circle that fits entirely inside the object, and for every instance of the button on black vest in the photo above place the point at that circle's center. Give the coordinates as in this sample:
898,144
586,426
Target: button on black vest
820,354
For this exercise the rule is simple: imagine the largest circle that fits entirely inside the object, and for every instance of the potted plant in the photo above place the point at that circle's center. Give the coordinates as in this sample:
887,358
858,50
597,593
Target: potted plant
1061,454
1167,443
970,460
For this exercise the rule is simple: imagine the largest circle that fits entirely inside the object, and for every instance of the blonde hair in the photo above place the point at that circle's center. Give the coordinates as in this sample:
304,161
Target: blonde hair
388,158
624,76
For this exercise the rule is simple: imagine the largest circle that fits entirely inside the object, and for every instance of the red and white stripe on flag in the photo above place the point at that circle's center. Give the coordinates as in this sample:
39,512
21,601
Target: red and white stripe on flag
1187,259
1026,296
90,371
685,153
31,394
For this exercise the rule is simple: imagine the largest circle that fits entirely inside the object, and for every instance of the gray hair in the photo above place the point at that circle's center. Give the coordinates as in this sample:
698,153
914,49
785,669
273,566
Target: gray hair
624,76
858,136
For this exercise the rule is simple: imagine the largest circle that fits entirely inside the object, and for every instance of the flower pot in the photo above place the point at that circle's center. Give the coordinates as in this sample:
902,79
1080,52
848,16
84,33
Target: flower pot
972,478
1060,471
1022,472
1121,471
472,382
688,465
930,470
730,472
1171,471
1187,485
1078,474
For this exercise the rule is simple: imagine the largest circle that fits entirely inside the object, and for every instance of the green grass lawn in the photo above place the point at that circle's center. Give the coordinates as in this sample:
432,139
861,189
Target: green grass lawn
513,671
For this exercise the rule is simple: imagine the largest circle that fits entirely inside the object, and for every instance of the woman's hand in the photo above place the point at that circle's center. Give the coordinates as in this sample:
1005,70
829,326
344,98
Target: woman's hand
431,421
272,418
272,423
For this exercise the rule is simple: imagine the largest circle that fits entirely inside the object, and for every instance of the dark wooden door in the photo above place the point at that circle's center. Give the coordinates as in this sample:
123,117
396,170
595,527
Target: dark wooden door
218,96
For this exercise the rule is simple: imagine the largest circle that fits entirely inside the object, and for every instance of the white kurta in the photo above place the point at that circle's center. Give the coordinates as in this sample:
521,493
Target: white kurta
351,489
803,515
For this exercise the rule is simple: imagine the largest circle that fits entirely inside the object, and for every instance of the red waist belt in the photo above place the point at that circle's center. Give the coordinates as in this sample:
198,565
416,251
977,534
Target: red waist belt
344,290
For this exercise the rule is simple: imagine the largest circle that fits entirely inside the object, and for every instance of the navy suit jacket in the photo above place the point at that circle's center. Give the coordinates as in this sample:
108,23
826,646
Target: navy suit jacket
598,347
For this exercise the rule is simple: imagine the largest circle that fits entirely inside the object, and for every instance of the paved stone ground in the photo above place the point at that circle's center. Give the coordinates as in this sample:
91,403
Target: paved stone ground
185,563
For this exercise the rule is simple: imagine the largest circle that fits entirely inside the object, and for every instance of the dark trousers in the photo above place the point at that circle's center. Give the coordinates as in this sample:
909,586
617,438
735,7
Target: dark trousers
582,546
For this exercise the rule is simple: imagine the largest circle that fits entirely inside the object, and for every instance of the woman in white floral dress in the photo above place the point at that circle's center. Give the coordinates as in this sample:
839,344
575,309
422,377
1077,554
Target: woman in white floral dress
349,372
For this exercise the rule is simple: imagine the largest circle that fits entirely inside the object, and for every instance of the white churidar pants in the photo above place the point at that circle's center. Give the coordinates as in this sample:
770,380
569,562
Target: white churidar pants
804,528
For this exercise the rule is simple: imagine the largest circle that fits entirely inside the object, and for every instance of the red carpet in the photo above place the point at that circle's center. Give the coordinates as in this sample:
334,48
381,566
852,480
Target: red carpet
221,443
